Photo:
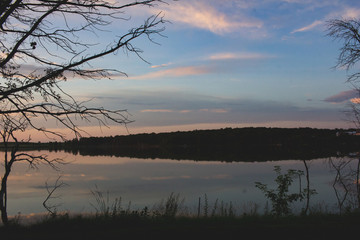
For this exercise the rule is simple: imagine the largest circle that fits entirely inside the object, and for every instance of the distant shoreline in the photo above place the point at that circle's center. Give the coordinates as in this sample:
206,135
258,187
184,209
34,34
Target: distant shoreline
228,144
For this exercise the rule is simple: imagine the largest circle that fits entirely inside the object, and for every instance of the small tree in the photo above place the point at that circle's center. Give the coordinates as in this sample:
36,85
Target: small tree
12,154
280,197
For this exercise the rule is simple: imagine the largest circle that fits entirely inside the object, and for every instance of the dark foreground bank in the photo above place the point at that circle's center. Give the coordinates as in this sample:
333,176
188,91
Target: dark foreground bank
136,227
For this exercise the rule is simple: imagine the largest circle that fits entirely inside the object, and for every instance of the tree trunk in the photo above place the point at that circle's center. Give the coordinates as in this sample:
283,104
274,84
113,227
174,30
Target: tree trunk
3,202
3,196
358,183
307,188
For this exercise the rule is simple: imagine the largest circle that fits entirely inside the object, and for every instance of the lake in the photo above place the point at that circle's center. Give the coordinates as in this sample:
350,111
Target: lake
145,182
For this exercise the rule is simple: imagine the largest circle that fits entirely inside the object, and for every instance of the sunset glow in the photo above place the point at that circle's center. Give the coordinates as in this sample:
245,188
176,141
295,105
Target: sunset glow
223,64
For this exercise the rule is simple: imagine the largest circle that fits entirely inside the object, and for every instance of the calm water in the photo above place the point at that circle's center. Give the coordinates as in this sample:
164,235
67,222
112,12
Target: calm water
146,182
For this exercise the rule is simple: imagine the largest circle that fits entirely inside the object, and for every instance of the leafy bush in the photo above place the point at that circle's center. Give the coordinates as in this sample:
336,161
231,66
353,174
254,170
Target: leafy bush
280,197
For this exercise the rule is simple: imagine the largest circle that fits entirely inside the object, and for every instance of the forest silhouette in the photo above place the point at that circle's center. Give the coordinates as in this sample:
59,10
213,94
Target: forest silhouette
228,144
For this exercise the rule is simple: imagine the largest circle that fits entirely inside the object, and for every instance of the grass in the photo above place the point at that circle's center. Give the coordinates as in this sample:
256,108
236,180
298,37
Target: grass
135,226
170,219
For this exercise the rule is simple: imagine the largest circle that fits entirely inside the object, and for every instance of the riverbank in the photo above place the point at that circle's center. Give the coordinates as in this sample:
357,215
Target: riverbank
322,226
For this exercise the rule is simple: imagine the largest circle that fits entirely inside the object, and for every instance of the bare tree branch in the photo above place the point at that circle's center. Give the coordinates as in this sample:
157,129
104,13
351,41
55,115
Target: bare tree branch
41,33
39,93
52,209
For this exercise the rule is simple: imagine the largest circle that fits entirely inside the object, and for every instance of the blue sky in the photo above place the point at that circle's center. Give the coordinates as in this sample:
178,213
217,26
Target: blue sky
229,63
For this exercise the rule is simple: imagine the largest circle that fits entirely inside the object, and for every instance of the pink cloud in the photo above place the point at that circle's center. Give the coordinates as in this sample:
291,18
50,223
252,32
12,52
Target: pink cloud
156,111
342,96
308,27
174,72
234,56
204,16
355,100
161,65
349,13
214,110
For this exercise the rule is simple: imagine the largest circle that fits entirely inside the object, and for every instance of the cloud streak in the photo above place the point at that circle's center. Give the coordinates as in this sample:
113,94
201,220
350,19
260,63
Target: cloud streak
204,16
237,56
309,27
210,110
174,72
157,111
344,13
161,65
342,96
176,107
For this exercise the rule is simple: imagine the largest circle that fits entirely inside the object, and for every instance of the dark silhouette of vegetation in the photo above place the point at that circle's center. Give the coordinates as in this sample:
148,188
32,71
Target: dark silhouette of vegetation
308,190
348,31
11,155
165,221
229,144
280,197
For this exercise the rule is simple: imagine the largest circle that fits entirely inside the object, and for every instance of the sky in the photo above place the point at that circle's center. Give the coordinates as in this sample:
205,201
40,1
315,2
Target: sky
227,63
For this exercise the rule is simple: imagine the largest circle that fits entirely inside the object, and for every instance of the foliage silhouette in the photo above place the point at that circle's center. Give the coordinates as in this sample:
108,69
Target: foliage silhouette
230,144
280,197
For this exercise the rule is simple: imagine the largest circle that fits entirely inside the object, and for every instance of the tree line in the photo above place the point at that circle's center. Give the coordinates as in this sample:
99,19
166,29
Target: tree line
227,144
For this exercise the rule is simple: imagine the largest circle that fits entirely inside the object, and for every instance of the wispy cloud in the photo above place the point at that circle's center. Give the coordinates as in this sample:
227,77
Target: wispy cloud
237,56
211,110
174,72
343,11
204,16
309,27
156,111
347,13
342,96
175,107
161,65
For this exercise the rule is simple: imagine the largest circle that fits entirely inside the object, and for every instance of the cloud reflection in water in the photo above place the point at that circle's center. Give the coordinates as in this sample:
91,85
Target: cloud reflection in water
145,182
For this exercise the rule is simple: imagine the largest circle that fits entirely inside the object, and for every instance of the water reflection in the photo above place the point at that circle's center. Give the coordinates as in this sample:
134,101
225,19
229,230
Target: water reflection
145,182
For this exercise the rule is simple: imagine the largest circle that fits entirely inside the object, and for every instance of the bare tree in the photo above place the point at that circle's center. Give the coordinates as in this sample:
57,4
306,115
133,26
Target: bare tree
42,44
40,35
348,31
12,154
